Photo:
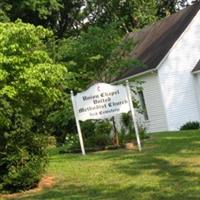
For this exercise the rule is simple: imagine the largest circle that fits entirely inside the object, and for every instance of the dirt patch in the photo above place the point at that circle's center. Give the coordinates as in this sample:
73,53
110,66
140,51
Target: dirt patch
46,182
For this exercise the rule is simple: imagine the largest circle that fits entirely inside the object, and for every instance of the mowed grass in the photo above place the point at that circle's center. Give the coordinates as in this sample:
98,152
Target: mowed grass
168,168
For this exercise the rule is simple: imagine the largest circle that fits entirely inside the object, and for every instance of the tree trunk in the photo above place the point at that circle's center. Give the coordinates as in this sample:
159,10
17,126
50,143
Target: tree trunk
116,134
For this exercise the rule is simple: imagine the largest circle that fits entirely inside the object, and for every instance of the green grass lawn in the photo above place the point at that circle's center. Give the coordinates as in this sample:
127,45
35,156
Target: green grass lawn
168,168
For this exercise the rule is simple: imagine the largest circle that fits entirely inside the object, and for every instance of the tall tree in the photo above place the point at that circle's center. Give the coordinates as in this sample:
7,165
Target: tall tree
168,7
98,55
31,85
68,18
131,13
62,16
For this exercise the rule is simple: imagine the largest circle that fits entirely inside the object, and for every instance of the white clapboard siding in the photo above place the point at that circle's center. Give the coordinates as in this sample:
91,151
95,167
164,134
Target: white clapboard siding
198,75
197,84
176,79
154,103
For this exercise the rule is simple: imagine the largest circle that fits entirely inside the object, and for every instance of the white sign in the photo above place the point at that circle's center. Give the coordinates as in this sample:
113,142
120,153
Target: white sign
102,101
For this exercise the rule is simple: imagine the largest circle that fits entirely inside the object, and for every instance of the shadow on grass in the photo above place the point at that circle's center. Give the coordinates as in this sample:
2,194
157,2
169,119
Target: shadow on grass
116,192
162,159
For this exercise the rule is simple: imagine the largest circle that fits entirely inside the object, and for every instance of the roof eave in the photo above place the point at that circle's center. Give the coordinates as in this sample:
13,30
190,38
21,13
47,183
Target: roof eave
135,75
196,72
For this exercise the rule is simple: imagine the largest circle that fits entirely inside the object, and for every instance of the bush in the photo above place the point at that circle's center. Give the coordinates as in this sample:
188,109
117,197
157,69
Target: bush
103,127
88,128
127,122
101,136
25,175
31,87
23,161
190,126
52,141
126,137
100,140
142,132
72,142
96,135
128,130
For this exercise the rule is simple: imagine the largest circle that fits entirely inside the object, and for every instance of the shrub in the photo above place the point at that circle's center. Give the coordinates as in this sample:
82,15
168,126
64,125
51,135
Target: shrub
101,135
128,130
23,161
126,137
31,86
100,140
190,125
96,134
52,141
72,142
25,175
103,127
127,122
88,128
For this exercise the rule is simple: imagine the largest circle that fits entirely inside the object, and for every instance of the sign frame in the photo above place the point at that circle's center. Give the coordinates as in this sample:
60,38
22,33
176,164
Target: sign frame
128,93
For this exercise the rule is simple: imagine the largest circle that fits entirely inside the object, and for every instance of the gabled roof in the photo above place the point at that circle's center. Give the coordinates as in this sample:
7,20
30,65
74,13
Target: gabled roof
154,42
197,67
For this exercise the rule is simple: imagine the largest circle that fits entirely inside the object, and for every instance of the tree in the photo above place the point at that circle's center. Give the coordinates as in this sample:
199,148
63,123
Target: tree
62,16
166,7
132,14
31,84
67,18
96,55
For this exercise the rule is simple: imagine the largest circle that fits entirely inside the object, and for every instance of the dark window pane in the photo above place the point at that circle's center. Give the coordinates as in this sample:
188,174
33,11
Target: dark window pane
143,105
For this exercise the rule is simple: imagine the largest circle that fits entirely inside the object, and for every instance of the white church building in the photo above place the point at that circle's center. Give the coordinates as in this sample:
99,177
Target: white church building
170,52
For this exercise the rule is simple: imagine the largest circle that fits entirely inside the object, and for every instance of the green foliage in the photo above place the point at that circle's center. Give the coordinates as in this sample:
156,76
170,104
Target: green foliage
61,119
128,131
127,123
61,16
23,162
51,141
72,142
101,136
166,169
31,86
103,127
98,141
88,128
190,126
129,13
96,55
96,134
126,137
67,18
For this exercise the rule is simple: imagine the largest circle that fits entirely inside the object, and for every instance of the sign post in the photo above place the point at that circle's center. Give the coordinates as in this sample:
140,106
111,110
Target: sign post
133,115
78,124
103,101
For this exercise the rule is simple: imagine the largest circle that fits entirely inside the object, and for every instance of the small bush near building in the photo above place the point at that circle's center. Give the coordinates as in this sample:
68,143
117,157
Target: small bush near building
126,137
190,126
128,129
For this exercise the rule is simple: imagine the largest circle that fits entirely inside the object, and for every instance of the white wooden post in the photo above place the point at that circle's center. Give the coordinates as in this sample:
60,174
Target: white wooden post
77,124
133,115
